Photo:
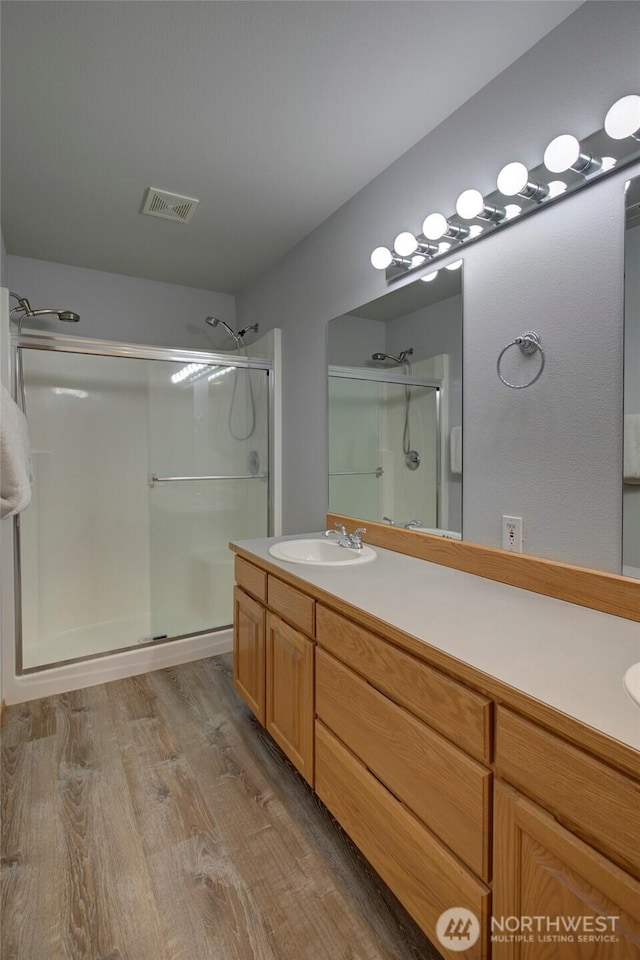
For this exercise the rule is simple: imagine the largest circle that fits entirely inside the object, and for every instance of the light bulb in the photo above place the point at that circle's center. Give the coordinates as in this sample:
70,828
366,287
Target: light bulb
454,266
443,247
513,210
434,226
562,153
512,179
381,258
418,261
608,163
405,244
429,277
556,187
475,230
623,118
469,204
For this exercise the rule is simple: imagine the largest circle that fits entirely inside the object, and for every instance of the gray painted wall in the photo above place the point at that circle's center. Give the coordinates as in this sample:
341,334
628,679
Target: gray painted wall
551,454
352,340
4,273
115,307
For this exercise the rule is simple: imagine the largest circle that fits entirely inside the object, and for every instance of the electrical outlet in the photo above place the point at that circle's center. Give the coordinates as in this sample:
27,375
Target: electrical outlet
512,534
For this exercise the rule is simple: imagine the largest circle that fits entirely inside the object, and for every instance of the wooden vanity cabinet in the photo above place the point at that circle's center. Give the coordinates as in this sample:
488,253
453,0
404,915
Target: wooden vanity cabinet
249,619
542,870
290,693
461,792
273,661
566,844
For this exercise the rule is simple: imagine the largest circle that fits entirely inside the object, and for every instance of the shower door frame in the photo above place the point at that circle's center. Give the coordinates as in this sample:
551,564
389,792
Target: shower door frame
391,376
59,343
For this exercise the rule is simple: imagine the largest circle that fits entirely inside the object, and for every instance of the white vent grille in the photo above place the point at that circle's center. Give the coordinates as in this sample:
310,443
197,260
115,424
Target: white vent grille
168,206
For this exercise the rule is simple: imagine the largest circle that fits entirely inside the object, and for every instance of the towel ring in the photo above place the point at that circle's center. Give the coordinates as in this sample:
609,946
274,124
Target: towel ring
528,343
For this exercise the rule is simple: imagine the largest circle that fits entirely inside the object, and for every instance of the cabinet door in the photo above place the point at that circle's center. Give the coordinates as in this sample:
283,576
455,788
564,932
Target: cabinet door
248,651
290,703
555,898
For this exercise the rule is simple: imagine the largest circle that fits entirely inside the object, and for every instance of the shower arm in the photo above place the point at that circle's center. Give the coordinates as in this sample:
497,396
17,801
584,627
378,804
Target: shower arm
25,310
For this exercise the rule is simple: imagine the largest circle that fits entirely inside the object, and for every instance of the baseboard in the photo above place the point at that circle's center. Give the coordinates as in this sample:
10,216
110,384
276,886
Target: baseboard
129,663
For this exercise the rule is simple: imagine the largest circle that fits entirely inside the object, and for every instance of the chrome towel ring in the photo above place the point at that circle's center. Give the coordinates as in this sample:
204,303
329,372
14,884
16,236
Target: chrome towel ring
529,343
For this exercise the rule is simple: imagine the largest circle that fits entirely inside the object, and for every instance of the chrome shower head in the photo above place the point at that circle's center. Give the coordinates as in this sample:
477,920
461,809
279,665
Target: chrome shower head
214,321
24,309
381,357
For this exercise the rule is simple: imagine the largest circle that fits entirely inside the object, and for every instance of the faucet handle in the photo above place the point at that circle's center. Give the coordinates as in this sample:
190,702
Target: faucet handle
356,536
388,520
341,527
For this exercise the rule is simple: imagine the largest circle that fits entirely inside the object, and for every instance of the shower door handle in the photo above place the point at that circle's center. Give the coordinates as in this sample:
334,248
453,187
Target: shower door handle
153,479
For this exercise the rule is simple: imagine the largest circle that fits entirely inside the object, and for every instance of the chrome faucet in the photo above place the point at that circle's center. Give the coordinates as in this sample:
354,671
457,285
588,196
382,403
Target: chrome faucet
413,524
353,540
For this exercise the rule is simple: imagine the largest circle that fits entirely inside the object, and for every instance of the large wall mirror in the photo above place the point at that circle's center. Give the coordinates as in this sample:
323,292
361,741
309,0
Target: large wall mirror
395,407
631,470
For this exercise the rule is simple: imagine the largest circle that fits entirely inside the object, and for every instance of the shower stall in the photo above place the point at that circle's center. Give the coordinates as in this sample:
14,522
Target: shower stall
145,462
385,440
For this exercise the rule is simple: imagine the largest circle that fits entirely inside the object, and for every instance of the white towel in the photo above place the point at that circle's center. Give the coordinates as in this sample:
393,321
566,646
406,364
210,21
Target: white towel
631,469
15,458
455,450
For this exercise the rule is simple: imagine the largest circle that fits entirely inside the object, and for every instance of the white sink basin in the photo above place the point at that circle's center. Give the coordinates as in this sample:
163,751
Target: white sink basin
632,682
321,553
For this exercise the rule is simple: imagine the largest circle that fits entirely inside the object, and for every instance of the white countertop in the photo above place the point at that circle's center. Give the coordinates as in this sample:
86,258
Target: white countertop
567,656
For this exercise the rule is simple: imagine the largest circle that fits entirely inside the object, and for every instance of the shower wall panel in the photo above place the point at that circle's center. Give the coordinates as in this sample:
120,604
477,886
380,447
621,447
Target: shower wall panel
410,494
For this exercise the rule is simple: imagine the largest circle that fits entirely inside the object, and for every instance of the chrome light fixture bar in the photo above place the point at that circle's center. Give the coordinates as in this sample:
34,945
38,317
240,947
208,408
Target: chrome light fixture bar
568,165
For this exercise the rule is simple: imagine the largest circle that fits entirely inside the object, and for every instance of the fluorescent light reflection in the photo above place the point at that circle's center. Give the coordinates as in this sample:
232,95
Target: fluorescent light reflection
195,371
219,373
68,392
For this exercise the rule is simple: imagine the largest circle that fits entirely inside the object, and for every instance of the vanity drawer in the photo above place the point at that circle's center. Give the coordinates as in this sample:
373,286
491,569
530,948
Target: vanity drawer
462,715
597,802
252,579
446,789
293,606
423,874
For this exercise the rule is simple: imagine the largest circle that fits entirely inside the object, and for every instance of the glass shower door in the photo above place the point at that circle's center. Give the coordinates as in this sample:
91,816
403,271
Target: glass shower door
108,557
208,466
84,538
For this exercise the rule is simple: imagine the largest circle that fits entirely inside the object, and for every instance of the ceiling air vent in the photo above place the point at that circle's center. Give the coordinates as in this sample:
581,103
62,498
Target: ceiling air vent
168,206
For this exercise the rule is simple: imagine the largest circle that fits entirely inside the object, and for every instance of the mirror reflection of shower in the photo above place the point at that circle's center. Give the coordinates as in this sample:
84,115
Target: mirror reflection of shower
238,338
411,457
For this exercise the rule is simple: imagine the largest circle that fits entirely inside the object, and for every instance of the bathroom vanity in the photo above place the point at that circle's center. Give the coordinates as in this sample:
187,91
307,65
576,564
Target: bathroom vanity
472,738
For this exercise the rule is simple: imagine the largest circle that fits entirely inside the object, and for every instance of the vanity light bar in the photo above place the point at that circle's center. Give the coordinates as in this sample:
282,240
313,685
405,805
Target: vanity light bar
568,165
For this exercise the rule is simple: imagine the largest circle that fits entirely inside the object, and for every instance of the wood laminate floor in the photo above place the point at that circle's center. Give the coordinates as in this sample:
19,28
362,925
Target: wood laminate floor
153,819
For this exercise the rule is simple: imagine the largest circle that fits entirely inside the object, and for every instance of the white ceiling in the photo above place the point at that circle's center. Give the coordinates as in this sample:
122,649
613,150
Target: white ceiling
272,113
